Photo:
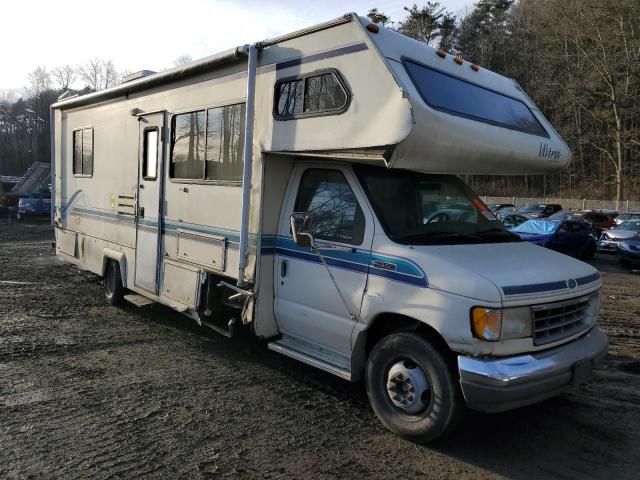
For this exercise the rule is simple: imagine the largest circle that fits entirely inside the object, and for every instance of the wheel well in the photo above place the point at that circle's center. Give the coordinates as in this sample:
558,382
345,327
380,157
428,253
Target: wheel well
387,323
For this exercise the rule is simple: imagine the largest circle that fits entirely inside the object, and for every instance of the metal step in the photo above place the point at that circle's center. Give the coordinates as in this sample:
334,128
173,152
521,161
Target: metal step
138,300
312,355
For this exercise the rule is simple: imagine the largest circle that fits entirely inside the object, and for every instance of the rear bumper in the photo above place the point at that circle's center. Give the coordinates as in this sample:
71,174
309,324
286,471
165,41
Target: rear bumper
499,384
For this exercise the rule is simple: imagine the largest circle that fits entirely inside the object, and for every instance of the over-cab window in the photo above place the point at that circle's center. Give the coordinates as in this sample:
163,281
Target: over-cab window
83,152
321,93
327,197
445,92
207,145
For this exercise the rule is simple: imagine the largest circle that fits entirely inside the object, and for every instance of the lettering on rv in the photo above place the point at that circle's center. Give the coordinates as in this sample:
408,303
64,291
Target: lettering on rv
547,152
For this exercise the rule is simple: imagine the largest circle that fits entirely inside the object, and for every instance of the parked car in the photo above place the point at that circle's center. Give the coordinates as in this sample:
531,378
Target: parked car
629,252
610,239
35,205
513,220
569,237
498,207
537,210
598,221
626,216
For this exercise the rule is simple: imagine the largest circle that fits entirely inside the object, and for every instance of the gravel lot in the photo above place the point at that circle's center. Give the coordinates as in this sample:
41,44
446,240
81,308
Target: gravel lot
92,391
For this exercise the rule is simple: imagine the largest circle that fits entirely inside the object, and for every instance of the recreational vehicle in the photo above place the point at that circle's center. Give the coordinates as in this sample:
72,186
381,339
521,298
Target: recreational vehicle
305,188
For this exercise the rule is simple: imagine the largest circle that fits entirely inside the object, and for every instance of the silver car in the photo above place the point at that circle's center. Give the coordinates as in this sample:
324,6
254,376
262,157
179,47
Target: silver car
610,239
627,217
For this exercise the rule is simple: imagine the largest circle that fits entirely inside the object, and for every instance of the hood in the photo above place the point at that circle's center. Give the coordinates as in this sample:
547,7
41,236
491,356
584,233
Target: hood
620,234
503,272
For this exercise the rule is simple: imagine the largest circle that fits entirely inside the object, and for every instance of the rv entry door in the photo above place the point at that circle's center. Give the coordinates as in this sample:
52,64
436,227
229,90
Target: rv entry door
149,213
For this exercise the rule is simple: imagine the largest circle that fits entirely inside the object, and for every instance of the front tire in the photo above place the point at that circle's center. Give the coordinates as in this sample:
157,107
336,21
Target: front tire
396,371
113,289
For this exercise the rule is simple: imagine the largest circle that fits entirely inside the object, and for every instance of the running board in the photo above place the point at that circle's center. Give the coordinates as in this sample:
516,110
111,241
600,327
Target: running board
138,300
305,353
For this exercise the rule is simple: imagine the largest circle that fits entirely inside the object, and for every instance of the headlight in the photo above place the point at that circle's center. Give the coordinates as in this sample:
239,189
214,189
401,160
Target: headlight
493,324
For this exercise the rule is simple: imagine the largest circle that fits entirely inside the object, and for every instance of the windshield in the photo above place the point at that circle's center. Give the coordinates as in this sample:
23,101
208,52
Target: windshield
633,226
530,208
422,209
566,216
629,216
538,227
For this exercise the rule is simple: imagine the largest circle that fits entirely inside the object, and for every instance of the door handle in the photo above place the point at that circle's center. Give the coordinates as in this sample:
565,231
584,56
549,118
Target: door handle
141,212
283,268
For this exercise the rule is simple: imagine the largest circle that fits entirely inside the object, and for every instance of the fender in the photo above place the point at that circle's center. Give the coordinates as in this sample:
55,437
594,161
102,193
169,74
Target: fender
121,258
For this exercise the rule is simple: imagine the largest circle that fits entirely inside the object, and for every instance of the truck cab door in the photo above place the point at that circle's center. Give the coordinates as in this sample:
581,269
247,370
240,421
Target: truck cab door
309,308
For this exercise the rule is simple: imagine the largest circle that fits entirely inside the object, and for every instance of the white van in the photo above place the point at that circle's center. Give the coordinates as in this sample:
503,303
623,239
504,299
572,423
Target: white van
305,188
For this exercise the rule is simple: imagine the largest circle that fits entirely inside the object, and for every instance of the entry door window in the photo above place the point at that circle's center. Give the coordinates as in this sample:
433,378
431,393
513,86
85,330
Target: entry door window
150,152
327,197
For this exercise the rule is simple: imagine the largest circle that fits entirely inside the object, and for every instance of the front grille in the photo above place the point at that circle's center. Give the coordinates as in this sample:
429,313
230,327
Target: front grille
555,321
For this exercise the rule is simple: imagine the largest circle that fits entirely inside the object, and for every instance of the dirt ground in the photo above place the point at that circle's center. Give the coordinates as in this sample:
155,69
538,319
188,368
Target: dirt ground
92,391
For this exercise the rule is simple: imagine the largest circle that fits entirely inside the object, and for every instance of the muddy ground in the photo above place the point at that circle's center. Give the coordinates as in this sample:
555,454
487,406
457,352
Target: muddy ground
92,391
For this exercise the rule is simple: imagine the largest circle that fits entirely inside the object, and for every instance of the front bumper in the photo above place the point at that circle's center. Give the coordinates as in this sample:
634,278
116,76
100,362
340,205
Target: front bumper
499,384
609,246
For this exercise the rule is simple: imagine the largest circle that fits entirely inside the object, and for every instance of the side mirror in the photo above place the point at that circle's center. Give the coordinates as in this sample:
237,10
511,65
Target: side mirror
302,229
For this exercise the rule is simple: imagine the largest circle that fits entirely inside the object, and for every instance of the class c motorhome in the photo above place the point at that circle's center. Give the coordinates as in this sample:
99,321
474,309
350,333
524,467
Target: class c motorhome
305,188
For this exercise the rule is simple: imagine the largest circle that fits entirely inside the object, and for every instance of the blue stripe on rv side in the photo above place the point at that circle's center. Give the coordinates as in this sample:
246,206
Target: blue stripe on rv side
356,260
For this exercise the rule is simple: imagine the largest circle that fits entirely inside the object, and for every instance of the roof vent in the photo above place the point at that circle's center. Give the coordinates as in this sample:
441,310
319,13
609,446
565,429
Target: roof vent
137,75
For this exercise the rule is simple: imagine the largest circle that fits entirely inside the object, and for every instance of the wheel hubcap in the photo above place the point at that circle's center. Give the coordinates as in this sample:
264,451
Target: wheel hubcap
408,386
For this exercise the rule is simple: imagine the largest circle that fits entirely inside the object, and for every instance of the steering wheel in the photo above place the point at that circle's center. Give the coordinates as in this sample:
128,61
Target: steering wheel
438,217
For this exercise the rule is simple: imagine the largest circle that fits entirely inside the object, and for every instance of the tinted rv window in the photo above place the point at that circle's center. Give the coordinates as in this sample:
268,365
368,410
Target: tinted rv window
225,139
317,94
328,198
454,95
187,146
83,152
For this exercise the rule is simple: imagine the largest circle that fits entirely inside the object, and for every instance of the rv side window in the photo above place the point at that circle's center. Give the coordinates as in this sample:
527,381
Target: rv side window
187,146
318,94
450,94
150,154
328,198
83,152
225,139
207,145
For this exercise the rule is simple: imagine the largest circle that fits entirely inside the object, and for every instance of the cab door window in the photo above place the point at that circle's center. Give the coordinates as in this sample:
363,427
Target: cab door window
327,197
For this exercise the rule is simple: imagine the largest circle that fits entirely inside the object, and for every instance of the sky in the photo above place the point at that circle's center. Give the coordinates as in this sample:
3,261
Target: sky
150,35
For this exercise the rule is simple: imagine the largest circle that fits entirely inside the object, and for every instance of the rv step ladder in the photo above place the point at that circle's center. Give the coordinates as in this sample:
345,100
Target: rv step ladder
138,300
310,354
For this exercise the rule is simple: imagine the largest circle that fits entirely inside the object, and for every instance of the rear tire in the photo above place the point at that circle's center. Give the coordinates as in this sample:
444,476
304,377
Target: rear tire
113,289
440,406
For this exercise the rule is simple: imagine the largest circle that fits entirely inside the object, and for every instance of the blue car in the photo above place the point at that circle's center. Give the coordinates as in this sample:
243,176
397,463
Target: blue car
569,237
36,205
629,251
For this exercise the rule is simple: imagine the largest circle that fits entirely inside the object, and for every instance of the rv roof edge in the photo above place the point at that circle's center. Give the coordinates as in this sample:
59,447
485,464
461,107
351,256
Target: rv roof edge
157,79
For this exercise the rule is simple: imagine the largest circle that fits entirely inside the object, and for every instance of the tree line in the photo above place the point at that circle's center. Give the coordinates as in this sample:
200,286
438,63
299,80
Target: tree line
578,60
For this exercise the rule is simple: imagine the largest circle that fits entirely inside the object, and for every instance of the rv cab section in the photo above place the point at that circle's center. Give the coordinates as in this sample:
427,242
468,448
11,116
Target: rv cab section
306,189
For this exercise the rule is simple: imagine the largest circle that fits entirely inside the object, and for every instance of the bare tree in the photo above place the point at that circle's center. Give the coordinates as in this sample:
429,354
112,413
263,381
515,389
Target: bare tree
182,60
64,76
99,74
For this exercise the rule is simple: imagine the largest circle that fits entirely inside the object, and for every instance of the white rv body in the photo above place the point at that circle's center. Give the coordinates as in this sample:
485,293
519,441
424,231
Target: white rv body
177,241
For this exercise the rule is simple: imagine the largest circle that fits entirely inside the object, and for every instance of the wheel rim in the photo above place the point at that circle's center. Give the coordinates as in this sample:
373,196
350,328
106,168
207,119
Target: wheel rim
110,281
408,387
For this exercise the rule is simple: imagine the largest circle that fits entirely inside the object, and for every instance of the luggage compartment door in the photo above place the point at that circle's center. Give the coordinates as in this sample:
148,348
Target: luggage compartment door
148,214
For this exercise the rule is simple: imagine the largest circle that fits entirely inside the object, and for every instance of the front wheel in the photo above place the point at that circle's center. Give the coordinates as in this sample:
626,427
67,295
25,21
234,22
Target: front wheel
411,389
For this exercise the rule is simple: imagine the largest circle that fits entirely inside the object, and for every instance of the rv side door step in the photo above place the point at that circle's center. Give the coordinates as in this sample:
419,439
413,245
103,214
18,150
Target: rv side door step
138,300
312,355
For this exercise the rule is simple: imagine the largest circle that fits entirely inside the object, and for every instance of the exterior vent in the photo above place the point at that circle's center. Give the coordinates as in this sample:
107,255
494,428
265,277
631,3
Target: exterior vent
137,75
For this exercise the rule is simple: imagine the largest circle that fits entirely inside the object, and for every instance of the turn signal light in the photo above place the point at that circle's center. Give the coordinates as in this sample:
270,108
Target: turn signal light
486,323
